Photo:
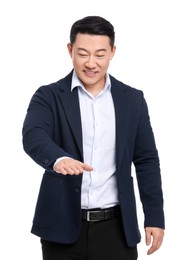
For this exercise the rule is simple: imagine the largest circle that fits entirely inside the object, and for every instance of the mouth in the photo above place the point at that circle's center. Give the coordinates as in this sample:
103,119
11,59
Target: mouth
89,73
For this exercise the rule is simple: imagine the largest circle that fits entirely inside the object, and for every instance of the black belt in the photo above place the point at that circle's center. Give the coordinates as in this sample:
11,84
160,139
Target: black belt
100,214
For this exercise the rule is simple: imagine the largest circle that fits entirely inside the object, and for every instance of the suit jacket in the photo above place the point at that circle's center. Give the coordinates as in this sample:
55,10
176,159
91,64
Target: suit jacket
52,129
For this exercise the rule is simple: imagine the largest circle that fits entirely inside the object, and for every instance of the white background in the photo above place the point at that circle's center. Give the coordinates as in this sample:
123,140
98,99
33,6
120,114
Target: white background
152,39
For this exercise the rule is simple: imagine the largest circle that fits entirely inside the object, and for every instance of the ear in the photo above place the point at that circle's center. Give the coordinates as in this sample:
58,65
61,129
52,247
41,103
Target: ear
113,51
69,46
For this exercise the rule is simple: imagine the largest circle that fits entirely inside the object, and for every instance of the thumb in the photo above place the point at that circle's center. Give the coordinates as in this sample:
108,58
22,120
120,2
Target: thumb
148,237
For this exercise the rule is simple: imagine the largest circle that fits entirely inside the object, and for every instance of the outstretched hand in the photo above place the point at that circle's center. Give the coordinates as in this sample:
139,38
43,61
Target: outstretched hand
71,167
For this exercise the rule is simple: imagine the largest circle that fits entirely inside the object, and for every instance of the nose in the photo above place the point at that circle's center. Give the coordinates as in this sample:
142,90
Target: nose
90,62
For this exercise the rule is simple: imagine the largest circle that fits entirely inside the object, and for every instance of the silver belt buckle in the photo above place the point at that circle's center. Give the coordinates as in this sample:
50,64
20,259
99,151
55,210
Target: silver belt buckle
89,213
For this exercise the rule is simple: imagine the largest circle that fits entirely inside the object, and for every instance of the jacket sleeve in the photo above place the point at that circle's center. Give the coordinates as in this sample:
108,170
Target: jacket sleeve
146,161
38,130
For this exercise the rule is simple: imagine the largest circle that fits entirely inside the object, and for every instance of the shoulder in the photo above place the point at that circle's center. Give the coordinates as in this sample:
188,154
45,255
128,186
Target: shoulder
60,85
49,92
118,85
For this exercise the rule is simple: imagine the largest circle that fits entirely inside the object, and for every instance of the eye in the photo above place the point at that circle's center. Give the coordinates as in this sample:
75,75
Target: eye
100,56
82,54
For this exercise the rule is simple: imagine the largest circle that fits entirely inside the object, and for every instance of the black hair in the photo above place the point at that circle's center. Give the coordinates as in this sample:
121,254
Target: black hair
94,25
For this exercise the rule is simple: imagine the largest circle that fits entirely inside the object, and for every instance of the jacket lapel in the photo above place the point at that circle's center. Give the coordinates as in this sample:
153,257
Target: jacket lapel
122,105
70,102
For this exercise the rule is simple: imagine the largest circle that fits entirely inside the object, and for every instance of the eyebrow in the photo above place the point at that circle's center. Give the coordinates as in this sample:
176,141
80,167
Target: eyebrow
82,49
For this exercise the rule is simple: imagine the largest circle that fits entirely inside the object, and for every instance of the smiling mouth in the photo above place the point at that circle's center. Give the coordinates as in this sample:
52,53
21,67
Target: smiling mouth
90,73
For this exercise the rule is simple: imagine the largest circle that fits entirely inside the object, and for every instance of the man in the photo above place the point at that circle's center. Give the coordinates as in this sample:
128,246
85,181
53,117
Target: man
86,130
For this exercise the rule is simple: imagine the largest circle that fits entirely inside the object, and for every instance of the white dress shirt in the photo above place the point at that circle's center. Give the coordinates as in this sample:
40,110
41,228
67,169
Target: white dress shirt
99,188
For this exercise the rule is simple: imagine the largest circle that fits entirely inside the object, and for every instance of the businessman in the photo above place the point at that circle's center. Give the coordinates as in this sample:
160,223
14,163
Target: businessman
87,130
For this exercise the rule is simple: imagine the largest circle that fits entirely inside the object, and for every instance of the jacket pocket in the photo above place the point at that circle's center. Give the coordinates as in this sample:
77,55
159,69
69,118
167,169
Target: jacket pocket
47,202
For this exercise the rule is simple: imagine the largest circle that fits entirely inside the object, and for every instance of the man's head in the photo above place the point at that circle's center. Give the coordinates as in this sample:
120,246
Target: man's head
94,25
92,48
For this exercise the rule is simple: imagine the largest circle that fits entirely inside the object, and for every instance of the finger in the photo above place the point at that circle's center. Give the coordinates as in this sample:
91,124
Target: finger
148,237
78,169
87,167
152,249
69,171
155,246
81,167
74,170
62,171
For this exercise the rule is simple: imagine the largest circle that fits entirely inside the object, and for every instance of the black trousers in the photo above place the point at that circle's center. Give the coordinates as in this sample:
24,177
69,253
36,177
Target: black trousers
102,240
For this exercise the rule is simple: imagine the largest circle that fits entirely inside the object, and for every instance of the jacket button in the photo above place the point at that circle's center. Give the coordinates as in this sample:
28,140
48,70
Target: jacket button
77,190
46,161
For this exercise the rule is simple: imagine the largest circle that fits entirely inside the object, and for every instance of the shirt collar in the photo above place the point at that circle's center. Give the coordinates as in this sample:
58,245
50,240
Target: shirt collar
76,82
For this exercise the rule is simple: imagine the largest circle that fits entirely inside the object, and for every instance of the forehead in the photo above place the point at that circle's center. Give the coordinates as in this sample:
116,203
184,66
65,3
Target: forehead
88,41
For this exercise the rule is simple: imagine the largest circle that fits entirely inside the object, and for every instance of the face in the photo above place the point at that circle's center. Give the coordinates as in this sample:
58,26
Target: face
91,56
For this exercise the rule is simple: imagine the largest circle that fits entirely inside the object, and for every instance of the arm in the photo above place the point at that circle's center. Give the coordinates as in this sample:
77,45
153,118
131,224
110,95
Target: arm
38,129
40,135
146,161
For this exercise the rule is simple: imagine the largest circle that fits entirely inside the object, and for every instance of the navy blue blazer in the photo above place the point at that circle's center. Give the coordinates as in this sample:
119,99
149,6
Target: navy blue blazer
52,129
